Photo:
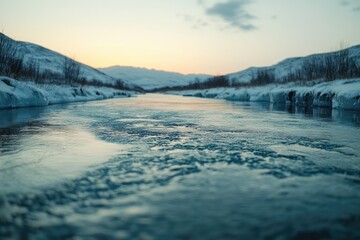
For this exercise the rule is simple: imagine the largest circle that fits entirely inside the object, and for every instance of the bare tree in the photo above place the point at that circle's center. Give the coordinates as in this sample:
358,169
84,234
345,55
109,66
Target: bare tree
331,66
263,77
11,64
196,83
312,68
71,70
32,71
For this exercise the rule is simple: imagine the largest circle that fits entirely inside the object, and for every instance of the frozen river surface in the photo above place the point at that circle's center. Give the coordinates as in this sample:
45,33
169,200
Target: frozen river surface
170,167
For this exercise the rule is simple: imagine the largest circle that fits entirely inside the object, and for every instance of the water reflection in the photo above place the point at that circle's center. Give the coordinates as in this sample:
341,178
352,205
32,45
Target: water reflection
324,114
17,123
42,146
21,116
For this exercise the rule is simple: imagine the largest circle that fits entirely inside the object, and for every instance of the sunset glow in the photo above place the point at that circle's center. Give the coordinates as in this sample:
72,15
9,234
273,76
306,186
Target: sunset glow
188,36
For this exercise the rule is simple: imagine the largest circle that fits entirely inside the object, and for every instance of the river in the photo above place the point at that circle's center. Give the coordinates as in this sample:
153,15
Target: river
171,167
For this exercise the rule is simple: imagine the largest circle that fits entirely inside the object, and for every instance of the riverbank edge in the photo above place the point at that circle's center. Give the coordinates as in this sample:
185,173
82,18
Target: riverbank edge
339,94
18,94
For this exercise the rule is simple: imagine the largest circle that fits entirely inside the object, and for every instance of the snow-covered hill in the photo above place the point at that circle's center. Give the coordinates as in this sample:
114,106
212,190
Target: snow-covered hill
133,77
338,94
52,61
283,68
149,78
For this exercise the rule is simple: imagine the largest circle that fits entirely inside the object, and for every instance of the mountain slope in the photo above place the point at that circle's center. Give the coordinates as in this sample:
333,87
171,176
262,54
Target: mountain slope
149,78
52,61
283,68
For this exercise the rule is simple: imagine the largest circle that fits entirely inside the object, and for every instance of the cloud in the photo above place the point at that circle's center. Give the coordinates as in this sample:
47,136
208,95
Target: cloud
234,13
350,4
200,2
196,23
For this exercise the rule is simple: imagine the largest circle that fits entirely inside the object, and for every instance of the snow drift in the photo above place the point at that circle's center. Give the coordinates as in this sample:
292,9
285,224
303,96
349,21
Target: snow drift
16,94
340,94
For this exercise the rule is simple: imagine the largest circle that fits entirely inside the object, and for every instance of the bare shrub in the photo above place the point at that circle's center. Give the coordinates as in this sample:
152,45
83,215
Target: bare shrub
71,70
11,63
329,67
214,82
31,71
311,68
294,75
262,77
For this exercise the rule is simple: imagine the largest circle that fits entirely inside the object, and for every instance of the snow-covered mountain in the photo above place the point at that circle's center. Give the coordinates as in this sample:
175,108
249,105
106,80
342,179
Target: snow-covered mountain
283,68
150,78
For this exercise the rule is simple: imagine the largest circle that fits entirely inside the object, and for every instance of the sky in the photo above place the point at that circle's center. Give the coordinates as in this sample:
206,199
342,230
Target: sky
188,36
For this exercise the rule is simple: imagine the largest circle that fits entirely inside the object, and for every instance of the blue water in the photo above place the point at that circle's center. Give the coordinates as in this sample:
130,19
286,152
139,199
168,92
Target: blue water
170,167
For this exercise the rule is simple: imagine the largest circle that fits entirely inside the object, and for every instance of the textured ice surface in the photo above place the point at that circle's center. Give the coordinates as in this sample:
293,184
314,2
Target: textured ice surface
47,151
192,168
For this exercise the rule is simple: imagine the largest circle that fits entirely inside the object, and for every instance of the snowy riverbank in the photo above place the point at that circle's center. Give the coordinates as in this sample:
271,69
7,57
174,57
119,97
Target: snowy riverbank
16,94
340,94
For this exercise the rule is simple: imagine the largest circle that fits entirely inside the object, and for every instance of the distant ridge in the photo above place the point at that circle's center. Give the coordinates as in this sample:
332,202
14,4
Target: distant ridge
150,78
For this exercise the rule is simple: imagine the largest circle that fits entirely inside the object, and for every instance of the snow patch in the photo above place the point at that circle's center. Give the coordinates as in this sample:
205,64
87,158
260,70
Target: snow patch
16,94
340,94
